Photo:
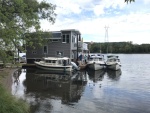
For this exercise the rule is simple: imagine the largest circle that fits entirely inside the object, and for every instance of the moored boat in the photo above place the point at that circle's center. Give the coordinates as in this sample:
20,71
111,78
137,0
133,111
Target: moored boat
96,62
60,64
113,62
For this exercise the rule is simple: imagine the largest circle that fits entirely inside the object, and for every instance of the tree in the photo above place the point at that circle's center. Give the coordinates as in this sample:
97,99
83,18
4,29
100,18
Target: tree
129,1
19,17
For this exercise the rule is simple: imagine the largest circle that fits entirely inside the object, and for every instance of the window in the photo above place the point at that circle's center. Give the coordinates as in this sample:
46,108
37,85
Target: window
65,38
55,40
34,52
74,39
45,49
54,61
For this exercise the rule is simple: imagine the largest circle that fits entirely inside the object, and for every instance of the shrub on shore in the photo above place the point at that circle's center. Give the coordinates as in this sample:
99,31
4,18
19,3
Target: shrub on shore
9,104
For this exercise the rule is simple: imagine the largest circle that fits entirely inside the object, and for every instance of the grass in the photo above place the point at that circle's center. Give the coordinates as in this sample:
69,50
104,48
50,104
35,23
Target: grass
10,104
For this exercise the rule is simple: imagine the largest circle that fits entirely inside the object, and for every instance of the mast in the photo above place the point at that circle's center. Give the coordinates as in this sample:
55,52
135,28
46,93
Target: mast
100,47
106,36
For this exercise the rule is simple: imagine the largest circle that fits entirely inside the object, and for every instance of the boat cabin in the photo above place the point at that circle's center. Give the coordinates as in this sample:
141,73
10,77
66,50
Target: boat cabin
96,59
113,59
112,56
56,61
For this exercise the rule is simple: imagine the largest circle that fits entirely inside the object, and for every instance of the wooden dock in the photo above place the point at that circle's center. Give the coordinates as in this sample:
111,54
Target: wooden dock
83,66
28,65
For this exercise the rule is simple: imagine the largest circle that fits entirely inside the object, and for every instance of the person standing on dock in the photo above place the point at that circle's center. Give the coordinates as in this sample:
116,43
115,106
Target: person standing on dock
85,59
80,57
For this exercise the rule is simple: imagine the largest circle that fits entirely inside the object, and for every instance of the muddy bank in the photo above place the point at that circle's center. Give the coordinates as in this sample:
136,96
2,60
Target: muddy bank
6,77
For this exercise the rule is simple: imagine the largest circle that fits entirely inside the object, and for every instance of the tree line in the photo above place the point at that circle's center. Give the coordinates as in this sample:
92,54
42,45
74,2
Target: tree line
118,47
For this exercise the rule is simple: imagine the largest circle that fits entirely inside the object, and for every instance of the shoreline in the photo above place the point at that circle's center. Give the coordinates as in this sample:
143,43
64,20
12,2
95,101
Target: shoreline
6,79
8,102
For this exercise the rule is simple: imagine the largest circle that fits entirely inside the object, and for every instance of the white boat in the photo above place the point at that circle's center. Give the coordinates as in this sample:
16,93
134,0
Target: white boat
60,64
96,62
113,62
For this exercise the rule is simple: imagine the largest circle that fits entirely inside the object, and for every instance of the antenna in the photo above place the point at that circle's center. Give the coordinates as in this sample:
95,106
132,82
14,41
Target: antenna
106,36
106,33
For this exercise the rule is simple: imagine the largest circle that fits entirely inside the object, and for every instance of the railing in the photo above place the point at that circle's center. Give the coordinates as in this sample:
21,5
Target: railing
81,45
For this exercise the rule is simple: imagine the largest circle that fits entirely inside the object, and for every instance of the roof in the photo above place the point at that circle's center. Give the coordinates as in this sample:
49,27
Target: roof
112,56
56,58
74,30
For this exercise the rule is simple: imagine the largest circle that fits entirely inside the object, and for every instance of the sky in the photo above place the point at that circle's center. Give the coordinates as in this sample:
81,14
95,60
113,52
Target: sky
124,22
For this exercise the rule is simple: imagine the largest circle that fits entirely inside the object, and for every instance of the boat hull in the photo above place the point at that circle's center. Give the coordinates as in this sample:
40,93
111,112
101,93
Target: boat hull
54,68
113,66
95,66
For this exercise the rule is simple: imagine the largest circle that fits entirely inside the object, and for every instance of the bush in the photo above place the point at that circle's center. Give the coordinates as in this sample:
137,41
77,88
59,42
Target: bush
9,104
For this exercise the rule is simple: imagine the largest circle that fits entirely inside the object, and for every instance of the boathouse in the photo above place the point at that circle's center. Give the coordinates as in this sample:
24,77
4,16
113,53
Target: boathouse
62,43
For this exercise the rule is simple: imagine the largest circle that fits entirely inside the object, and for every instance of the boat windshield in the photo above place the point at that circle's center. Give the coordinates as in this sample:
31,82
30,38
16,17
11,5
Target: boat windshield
59,62
100,59
94,59
50,61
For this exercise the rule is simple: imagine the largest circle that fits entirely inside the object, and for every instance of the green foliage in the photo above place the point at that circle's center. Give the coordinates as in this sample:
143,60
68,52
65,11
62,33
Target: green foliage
19,17
39,37
6,56
129,1
119,47
9,104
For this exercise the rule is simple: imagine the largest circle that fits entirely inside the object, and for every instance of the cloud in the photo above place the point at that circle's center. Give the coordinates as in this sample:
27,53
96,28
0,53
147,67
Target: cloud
146,1
127,22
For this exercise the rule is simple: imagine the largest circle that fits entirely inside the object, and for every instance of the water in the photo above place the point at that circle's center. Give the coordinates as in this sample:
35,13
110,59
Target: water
123,91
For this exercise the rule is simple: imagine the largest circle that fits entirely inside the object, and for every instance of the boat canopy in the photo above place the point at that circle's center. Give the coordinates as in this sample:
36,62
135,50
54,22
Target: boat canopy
112,56
55,58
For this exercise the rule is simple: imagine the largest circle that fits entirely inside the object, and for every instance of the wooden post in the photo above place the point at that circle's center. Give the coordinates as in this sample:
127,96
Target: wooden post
77,47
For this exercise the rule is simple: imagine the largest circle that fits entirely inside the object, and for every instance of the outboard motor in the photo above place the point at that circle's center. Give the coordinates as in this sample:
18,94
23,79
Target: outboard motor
75,66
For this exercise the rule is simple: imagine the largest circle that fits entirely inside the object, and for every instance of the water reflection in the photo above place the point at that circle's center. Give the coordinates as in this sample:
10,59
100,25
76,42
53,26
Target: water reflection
97,75
44,90
102,91
115,75
42,85
16,75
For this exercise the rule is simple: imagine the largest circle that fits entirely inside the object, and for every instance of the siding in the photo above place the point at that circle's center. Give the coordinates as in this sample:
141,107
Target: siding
53,47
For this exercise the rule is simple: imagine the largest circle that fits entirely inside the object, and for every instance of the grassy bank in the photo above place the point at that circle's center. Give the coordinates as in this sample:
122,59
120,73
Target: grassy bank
8,103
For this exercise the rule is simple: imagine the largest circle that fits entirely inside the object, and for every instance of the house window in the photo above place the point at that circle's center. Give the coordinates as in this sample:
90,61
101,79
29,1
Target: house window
45,49
34,52
73,39
65,38
55,40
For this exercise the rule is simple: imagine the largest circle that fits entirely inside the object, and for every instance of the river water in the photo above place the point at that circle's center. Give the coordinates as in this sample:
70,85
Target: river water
123,91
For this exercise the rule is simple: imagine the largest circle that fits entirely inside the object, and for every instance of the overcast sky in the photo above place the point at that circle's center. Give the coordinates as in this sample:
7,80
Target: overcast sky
126,22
